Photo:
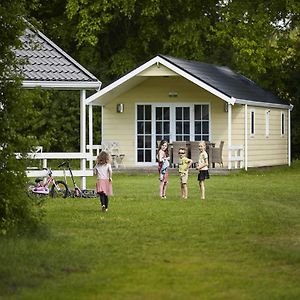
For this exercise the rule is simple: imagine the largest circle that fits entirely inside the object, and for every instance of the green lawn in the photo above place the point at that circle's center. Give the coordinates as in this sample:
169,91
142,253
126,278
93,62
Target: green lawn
242,242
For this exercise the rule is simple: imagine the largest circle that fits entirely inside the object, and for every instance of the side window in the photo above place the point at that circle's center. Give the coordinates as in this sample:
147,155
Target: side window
252,122
282,125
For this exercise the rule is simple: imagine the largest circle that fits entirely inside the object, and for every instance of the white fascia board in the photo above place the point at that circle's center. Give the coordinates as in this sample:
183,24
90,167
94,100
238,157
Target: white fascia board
159,60
62,85
263,104
121,80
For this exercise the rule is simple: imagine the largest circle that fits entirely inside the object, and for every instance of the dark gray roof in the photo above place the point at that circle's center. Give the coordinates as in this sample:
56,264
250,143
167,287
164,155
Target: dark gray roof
47,62
225,80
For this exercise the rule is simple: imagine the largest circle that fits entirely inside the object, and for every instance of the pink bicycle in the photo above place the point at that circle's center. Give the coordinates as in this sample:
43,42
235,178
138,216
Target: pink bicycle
51,186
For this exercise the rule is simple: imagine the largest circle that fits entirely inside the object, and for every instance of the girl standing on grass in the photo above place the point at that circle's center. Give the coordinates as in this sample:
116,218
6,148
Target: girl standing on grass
163,165
103,171
203,168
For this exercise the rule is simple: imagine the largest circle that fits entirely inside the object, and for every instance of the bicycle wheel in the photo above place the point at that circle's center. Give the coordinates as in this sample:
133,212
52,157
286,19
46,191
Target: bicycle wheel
61,191
29,187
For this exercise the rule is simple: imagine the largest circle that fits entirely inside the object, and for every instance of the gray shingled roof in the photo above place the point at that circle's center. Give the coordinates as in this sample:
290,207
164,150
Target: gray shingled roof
46,63
225,80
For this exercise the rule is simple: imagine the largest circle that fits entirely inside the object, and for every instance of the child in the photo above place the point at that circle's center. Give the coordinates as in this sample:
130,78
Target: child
163,164
203,168
103,171
184,164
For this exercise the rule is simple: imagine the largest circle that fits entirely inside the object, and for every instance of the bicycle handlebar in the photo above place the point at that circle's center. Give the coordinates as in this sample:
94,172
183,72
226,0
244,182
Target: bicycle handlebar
65,163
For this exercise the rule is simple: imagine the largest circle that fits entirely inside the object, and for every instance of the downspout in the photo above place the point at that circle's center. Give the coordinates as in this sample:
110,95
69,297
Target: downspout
91,135
289,136
229,134
83,136
246,138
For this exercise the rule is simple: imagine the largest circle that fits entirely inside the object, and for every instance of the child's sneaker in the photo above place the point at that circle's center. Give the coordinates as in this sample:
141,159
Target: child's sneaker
103,208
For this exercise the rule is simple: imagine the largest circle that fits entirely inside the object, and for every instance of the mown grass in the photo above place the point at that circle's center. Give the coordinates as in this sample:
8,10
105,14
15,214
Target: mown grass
242,242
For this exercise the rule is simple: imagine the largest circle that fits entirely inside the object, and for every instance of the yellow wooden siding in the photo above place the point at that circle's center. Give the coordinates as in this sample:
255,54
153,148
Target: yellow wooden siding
120,127
267,150
262,150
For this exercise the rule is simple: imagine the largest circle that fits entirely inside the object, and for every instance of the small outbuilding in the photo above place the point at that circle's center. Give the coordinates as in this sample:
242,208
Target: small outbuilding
181,100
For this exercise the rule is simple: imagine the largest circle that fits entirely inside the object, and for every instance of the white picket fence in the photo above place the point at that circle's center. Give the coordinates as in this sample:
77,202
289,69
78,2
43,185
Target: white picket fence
45,156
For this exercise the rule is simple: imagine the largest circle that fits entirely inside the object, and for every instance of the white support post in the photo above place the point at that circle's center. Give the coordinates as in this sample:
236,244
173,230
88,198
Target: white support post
246,138
83,136
229,122
91,135
289,137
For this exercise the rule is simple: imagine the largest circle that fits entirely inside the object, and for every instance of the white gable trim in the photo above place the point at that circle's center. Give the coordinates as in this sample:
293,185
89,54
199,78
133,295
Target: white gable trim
159,60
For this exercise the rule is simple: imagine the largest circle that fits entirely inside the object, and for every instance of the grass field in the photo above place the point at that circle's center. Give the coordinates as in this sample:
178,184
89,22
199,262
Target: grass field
242,242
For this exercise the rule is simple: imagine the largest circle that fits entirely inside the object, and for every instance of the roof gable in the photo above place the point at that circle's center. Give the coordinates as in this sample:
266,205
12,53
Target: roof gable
220,81
48,66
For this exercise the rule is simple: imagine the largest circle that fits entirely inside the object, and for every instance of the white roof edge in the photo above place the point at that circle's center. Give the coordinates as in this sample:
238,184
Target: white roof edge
172,67
74,85
65,54
121,80
264,104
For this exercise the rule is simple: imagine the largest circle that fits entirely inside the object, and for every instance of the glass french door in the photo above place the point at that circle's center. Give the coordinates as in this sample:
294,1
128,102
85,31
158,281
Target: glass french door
183,123
162,123
170,122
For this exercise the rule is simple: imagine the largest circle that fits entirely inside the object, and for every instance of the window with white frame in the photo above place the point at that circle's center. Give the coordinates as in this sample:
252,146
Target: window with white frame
282,123
171,122
252,122
267,115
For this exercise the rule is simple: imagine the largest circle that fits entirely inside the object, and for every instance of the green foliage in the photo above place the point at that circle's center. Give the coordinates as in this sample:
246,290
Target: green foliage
17,212
259,39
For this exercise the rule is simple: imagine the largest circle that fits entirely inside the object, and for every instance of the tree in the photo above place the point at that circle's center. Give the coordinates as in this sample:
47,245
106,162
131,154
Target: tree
259,39
17,211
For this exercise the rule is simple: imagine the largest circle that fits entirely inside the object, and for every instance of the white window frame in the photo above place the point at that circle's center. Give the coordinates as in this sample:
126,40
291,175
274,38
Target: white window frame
267,120
172,123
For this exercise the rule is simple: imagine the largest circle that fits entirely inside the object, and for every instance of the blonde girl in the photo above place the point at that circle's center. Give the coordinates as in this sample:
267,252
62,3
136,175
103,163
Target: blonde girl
103,171
203,168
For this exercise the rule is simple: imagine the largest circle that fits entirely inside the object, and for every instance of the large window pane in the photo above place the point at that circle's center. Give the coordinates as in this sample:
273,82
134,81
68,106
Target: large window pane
140,155
140,127
148,127
148,155
158,127
148,141
159,113
147,112
140,142
205,115
140,112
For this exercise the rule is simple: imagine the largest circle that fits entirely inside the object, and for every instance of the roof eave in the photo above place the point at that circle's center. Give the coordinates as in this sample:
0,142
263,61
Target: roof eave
60,85
263,104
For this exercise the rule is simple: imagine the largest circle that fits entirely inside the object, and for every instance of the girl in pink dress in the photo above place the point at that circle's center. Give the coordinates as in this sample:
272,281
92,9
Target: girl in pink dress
103,171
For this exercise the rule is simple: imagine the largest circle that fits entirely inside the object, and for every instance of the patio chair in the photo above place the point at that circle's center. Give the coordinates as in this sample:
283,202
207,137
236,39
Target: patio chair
176,146
194,152
216,155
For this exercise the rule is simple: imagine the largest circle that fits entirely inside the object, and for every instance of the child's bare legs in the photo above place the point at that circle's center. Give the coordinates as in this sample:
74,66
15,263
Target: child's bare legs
202,189
162,189
184,191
